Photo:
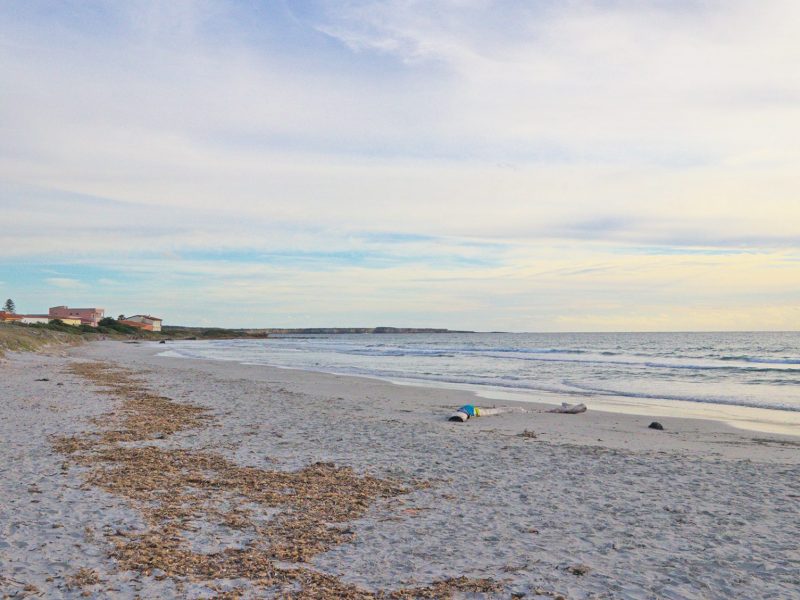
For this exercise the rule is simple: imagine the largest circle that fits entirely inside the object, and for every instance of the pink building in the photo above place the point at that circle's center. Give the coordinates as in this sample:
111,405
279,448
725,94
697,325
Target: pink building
88,316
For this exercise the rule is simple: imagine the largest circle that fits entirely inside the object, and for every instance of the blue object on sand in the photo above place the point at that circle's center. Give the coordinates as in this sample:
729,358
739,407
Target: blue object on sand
469,410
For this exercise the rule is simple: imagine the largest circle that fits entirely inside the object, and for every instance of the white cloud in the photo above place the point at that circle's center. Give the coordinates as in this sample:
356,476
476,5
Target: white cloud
660,116
66,283
600,80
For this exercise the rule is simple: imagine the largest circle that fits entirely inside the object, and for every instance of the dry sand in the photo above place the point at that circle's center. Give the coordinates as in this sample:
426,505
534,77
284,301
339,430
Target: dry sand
404,503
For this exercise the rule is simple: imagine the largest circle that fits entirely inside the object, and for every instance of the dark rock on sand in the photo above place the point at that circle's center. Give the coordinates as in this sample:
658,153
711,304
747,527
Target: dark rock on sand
656,425
579,570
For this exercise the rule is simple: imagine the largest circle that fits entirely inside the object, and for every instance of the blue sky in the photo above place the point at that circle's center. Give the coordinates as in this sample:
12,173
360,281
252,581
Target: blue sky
525,166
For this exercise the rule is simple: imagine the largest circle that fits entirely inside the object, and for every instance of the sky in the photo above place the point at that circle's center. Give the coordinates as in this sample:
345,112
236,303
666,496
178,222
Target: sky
605,165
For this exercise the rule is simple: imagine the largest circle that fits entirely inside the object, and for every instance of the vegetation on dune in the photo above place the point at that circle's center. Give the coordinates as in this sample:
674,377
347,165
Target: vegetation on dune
109,325
28,338
200,333
18,337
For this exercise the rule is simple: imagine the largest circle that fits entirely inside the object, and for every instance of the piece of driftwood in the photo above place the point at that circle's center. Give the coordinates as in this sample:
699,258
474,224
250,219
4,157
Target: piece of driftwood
569,409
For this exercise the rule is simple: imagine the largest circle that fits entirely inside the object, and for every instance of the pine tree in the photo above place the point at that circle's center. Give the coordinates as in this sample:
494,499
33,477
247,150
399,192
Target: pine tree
9,306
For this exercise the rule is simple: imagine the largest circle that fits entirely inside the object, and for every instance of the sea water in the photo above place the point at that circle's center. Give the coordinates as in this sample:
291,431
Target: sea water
757,370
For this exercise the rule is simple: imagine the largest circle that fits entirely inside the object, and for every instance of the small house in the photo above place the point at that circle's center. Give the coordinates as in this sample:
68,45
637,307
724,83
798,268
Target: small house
74,321
150,323
136,324
7,317
36,319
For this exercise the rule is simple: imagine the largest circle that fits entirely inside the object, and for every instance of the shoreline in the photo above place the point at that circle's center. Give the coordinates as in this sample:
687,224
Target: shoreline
541,504
748,418
696,433
632,423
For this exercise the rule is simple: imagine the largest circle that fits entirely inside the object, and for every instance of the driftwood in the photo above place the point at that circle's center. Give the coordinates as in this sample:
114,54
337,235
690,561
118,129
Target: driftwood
569,409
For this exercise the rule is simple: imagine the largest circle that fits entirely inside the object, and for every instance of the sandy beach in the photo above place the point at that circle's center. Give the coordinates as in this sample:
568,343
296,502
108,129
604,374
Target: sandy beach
125,474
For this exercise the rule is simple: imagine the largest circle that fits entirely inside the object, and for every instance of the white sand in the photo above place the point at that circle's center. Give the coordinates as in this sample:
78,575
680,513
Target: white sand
700,510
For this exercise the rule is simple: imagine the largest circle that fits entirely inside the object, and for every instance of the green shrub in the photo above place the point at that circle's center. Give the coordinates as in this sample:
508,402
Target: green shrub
110,325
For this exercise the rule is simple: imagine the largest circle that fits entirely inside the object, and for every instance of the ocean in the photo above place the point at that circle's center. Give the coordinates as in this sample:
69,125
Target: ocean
758,370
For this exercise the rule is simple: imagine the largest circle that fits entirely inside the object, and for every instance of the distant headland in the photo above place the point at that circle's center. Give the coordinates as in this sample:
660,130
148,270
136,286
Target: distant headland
333,330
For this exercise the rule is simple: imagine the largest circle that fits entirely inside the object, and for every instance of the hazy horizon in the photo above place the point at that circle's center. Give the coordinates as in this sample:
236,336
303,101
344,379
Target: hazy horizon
463,164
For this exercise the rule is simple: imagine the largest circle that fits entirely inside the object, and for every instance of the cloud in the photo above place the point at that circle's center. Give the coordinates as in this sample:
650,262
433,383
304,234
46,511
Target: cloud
668,81
542,288
65,283
497,159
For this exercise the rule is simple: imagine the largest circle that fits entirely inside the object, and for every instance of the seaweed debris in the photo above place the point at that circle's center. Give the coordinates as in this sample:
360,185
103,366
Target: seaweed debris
175,489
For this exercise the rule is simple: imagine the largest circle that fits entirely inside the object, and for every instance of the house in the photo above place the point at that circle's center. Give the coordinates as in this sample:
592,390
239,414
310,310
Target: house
87,316
74,321
6,317
35,319
136,324
153,322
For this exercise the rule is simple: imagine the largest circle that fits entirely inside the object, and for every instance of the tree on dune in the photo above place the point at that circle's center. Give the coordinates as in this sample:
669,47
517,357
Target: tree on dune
9,306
